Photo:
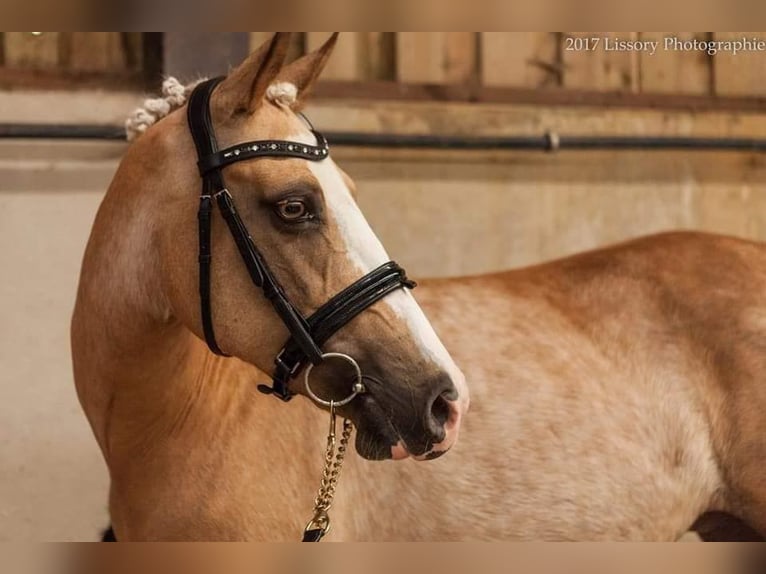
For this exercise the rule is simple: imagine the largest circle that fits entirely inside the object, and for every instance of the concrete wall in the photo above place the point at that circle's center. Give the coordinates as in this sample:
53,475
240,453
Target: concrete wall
438,214
464,216
53,482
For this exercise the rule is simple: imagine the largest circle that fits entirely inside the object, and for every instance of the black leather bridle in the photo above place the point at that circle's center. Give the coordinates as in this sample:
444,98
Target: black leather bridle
307,334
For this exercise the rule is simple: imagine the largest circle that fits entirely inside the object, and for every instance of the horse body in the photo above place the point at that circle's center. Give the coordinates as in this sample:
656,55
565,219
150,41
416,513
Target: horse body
597,410
615,394
600,410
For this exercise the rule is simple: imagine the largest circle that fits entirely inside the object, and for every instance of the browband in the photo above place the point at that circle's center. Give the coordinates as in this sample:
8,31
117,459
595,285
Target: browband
262,148
306,335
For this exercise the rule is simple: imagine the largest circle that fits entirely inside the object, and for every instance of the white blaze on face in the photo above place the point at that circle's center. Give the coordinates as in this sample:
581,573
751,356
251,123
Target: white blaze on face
366,253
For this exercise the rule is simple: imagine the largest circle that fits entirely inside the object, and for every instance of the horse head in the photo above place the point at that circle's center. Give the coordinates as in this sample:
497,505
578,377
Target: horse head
300,216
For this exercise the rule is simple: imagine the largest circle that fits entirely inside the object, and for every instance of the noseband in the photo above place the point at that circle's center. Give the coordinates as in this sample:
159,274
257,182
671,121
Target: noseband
307,334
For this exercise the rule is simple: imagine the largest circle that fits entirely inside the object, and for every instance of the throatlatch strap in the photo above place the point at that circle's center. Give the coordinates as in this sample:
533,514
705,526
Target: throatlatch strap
203,216
198,115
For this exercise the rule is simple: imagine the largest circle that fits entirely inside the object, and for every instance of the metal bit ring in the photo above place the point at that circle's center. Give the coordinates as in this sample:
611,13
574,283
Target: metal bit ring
356,388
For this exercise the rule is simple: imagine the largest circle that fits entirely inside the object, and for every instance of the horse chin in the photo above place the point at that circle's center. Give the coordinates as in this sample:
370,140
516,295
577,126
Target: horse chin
376,437
373,446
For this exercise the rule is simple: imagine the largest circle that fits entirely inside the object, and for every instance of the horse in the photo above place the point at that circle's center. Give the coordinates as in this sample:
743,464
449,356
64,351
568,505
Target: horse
614,394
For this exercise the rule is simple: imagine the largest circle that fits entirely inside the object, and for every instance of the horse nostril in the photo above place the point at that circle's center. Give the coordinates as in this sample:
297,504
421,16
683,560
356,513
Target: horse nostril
439,414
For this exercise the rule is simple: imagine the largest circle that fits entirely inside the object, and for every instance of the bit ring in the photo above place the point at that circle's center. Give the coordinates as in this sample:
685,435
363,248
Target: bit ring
356,388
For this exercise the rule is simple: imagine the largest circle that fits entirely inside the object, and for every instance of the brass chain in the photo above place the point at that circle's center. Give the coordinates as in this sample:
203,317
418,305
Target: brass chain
333,462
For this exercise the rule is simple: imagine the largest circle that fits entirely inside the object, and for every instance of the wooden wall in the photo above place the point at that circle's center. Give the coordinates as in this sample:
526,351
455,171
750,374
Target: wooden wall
529,60
75,60
80,51
538,60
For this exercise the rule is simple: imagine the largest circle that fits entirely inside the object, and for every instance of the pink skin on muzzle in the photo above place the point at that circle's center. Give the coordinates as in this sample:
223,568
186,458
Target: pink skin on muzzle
452,427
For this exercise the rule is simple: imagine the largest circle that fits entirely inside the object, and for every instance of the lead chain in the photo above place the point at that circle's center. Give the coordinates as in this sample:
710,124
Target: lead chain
333,462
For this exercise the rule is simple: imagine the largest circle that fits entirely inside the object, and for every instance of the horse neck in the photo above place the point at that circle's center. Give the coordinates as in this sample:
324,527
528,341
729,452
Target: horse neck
140,373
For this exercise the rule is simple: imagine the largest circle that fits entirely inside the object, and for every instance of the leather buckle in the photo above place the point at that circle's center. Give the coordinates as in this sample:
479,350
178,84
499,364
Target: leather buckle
292,371
279,390
282,375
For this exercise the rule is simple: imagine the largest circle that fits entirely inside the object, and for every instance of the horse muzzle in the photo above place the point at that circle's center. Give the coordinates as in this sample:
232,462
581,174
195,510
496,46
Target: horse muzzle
397,424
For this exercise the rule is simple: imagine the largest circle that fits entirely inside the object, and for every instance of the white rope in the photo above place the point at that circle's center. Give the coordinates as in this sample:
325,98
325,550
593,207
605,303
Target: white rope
174,96
283,93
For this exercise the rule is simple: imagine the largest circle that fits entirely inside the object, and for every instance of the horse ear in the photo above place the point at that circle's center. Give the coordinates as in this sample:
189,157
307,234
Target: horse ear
303,72
243,89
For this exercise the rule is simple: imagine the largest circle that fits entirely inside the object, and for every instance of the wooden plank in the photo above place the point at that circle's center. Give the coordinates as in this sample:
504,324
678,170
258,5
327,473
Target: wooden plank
67,80
529,59
437,57
676,71
358,55
381,57
93,52
535,97
419,57
450,119
742,74
34,51
589,64
297,46
461,57
348,61
297,43
133,50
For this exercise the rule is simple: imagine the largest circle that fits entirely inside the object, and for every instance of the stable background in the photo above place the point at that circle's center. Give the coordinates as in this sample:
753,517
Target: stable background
438,212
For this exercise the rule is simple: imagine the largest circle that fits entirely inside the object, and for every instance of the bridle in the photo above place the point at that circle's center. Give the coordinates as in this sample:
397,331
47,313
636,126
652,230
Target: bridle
307,334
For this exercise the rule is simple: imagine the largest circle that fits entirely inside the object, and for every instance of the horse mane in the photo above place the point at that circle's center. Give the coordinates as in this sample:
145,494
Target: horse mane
174,96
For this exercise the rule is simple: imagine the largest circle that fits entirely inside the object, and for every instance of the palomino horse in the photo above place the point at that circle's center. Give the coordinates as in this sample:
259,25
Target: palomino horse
615,394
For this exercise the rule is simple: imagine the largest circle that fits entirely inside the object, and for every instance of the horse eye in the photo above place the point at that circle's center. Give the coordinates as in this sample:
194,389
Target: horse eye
293,210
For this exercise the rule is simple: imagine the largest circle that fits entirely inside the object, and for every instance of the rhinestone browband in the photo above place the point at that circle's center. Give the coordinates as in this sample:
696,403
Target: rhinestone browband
265,148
